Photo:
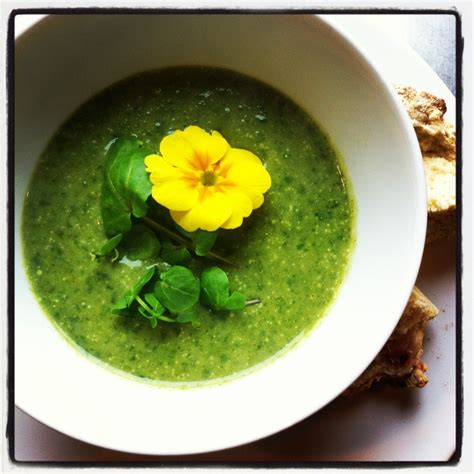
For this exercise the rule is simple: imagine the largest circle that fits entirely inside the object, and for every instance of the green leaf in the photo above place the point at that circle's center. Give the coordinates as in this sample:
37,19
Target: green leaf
215,287
128,297
126,185
110,245
203,241
157,307
236,301
178,289
175,255
189,315
140,243
215,291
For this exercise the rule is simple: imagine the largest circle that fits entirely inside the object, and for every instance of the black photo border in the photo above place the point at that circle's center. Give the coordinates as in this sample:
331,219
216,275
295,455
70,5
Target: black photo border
10,75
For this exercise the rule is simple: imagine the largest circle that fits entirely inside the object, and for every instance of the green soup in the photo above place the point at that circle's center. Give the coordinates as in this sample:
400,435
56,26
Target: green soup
292,252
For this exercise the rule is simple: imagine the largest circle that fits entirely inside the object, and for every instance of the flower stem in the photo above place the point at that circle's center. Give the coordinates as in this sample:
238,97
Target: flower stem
216,256
164,230
182,240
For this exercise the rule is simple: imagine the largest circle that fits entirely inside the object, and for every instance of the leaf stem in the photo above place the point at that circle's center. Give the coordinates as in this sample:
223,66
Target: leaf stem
144,305
251,302
183,241
165,318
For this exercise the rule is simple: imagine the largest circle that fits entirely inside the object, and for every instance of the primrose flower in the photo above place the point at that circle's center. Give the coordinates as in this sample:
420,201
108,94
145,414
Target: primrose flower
204,182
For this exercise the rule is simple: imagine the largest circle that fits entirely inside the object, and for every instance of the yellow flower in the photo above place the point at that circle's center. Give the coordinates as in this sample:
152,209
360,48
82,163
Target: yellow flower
204,182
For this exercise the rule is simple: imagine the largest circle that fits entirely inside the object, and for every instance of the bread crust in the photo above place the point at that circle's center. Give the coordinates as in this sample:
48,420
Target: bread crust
441,225
435,136
437,139
400,360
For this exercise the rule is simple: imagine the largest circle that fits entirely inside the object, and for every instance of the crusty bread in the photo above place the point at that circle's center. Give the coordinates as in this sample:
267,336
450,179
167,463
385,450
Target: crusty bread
435,136
441,188
400,359
437,140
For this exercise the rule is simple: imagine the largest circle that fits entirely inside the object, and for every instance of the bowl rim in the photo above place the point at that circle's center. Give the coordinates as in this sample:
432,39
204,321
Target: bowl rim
420,211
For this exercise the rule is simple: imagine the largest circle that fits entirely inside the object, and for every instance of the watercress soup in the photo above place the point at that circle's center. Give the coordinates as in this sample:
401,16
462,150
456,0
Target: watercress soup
142,278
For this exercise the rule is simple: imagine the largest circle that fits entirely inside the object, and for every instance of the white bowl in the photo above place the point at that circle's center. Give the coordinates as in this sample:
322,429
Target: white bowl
64,60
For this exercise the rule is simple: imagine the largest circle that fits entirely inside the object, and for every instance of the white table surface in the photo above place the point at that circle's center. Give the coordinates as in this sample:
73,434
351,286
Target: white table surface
386,425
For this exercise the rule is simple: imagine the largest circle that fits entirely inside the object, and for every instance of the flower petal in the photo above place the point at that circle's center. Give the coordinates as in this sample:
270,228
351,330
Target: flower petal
177,177
237,155
193,148
241,207
178,151
176,195
172,187
209,213
243,171
209,147
160,170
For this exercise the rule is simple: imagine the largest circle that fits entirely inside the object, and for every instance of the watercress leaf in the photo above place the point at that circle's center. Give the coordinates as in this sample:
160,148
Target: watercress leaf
175,255
215,287
121,304
152,300
109,246
189,315
178,289
235,302
126,185
140,243
129,296
144,279
203,241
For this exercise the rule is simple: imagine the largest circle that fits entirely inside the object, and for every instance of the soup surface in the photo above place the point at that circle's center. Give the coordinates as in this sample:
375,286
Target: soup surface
292,252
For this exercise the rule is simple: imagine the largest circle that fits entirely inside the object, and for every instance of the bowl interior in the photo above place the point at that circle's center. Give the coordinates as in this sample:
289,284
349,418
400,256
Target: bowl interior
63,61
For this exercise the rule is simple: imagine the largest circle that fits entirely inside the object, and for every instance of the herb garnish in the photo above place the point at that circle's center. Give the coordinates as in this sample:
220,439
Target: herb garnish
109,247
175,255
126,185
125,193
202,239
178,289
176,293
140,243
164,293
215,291
130,296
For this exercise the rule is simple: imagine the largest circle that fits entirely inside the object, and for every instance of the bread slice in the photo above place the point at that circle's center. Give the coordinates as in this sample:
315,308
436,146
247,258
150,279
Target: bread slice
441,188
400,361
437,140
435,136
